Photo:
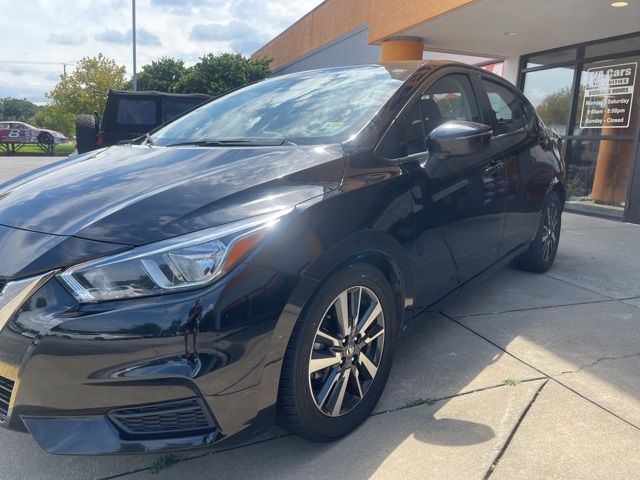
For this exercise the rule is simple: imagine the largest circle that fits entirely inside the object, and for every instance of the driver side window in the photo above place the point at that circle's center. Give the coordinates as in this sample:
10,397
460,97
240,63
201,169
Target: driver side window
449,98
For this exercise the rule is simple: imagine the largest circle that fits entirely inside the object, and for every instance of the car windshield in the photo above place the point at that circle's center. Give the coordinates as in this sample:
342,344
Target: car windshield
307,107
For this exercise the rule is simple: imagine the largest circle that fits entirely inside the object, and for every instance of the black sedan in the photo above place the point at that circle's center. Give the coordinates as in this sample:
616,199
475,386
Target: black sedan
256,258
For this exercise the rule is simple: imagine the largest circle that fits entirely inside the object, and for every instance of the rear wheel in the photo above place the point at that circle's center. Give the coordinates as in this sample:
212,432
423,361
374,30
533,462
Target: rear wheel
542,250
45,138
339,356
86,133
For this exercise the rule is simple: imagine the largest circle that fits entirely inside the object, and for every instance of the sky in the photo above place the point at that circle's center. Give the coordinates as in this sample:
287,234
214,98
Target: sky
38,36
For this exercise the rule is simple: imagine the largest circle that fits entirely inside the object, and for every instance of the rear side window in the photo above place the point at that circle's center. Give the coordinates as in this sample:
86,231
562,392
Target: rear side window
506,106
136,112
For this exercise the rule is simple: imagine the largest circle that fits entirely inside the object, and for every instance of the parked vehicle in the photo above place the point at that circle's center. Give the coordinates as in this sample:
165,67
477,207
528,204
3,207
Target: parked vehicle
20,132
128,115
258,257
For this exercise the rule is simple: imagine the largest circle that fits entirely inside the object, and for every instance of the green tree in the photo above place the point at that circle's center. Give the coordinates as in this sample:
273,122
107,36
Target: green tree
85,90
18,109
554,108
1,110
217,74
53,118
162,75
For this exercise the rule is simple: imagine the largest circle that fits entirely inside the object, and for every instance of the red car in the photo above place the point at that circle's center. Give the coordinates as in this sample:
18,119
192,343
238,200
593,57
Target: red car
20,132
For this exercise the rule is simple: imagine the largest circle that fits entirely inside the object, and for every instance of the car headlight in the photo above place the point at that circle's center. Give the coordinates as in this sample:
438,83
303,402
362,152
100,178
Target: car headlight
180,263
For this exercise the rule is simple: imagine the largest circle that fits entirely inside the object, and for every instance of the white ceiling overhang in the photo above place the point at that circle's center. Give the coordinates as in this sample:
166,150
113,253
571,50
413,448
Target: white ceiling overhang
479,28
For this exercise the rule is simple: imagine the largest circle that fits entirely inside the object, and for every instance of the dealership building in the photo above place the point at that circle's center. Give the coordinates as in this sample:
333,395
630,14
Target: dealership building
576,60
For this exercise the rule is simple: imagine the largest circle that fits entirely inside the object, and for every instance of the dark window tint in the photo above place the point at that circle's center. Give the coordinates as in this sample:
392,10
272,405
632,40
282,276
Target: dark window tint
136,112
506,106
550,58
411,138
626,44
173,108
450,98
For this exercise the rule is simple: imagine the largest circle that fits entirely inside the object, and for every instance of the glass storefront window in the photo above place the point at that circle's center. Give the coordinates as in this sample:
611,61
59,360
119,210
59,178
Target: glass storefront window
611,106
550,58
549,91
600,139
614,47
598,175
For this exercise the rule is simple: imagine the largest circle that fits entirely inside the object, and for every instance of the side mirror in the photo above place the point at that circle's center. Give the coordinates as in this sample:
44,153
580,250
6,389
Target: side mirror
454,138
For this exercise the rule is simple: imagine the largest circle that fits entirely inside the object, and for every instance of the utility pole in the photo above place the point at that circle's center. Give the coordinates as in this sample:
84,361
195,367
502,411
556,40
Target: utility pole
134,80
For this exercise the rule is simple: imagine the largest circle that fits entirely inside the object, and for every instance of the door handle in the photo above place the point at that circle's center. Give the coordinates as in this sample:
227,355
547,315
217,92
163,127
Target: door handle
495,166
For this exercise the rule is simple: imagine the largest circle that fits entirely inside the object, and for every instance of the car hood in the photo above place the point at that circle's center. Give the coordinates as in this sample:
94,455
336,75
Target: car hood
136,195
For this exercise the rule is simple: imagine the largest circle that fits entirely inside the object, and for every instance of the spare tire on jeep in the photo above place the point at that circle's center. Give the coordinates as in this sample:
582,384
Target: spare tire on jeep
86,133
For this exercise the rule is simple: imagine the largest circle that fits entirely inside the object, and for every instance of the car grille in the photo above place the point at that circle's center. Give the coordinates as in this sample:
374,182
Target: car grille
6,389
166,419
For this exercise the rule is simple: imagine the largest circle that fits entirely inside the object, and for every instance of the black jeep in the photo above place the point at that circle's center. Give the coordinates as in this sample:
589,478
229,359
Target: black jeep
128,115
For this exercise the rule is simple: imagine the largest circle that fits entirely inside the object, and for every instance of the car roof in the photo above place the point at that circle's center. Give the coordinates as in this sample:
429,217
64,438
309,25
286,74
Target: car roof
410,66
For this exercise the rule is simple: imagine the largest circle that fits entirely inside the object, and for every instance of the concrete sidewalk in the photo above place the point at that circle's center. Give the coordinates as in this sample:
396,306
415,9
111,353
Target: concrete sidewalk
522,376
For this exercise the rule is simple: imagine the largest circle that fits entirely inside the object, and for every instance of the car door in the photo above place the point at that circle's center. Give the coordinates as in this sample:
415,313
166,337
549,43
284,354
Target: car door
459,199
529,171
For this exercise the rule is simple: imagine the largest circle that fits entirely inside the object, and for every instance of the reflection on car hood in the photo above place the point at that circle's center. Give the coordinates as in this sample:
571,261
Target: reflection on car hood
136,194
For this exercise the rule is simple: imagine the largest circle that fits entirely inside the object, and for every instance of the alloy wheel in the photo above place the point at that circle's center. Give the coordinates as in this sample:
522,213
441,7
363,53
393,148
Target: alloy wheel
550,231
347,351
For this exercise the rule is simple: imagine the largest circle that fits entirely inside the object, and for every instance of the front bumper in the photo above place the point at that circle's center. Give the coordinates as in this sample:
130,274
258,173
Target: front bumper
74,367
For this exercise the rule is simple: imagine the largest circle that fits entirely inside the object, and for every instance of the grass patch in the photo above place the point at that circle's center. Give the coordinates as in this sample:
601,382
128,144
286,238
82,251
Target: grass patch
63,149
420,401
511,382
162,463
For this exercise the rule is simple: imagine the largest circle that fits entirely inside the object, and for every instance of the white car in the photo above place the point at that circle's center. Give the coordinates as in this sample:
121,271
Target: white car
20,132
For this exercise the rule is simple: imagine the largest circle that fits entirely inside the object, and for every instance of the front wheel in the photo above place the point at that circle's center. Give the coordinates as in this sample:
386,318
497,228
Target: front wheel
544,247
339,355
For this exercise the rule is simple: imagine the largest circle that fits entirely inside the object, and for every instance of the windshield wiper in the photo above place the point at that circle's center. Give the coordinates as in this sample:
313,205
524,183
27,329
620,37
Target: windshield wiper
148,139
235,142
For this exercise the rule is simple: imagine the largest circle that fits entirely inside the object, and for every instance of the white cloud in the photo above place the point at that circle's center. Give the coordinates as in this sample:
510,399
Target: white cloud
57,32
143,37
67,38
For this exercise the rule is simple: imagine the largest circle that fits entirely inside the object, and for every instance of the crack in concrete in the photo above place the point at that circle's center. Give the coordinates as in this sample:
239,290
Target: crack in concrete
593,402
542,307
195,457
432,401
580,286
593,364
504,448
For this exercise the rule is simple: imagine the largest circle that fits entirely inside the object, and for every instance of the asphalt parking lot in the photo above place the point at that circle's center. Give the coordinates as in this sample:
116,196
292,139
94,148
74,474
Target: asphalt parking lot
13,166
522,376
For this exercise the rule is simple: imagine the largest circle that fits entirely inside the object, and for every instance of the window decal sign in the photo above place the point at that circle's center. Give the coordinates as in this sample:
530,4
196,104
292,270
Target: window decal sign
608,96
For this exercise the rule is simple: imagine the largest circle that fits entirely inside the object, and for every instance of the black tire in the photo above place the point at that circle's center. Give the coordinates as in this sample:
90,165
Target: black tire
543,249
298,409
86,133
45,138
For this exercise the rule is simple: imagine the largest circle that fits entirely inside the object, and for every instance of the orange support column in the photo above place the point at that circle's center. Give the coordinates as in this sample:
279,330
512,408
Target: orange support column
398,50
